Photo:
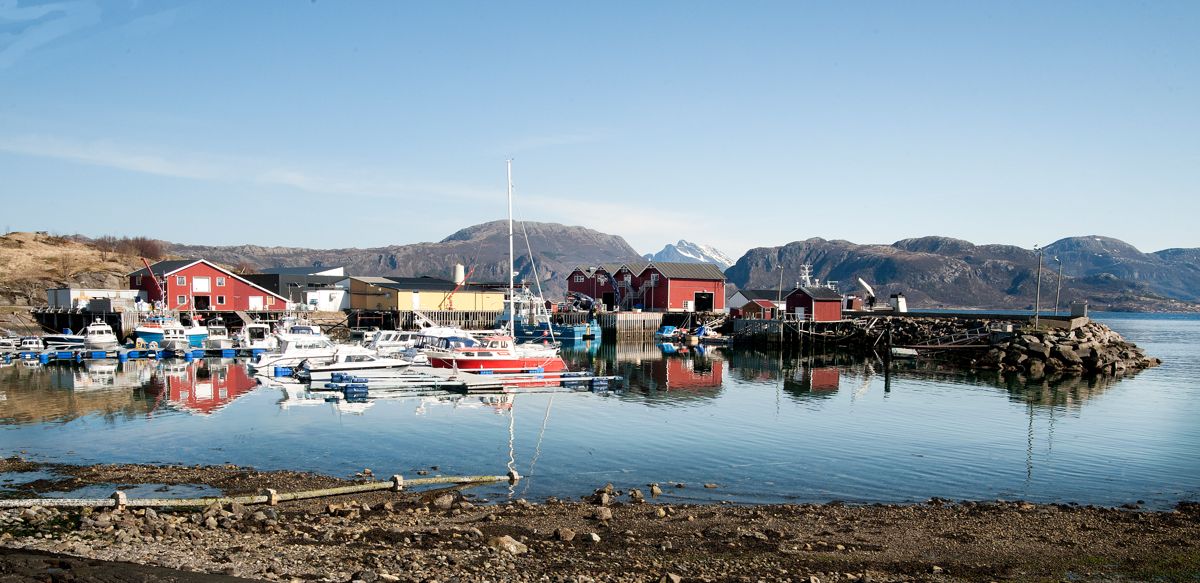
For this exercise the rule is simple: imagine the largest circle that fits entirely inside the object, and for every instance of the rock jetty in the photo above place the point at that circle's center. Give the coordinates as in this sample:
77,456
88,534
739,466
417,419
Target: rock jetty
1089,349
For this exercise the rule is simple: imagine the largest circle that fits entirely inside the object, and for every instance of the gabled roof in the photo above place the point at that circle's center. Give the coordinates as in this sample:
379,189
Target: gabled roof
669,269
763,303
164,268
761,294
688,270
167,268
818,293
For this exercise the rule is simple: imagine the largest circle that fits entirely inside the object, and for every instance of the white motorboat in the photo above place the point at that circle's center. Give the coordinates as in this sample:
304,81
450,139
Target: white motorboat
353,360
218,335
100,336
294,349
65,341
31,344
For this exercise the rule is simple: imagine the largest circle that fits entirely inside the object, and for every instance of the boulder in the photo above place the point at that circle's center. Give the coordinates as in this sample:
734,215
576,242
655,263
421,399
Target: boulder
508,544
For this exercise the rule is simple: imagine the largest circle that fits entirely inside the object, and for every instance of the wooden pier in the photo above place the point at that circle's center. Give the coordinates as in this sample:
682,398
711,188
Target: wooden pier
630,325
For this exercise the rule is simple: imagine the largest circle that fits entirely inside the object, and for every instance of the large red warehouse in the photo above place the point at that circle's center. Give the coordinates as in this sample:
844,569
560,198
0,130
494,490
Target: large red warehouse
196,284
652,286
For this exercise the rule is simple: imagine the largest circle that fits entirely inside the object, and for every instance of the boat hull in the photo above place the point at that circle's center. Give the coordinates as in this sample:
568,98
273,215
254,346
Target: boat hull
512,364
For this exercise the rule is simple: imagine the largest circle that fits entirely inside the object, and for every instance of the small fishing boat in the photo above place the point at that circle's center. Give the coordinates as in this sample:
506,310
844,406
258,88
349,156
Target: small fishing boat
162,333
99,336
256,335
218,335
31,344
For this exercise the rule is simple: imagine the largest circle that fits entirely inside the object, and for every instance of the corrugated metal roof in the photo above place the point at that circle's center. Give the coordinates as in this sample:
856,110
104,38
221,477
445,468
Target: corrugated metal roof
306,270
820,293
688,270
166,267
761,294
416,283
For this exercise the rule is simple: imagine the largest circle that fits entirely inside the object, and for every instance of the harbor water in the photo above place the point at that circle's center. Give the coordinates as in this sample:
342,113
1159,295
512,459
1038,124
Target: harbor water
762,427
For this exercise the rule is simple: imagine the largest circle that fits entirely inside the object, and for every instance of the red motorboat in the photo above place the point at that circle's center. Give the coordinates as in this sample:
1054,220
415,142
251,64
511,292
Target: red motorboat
500,354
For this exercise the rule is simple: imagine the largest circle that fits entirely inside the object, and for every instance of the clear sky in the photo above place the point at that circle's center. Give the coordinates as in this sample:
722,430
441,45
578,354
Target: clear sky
738,124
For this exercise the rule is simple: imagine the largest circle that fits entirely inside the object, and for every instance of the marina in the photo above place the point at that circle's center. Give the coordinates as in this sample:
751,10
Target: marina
775,426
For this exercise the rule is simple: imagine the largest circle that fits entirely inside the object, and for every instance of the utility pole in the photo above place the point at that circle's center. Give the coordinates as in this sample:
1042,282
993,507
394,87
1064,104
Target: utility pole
779,294
1058,293
1037,303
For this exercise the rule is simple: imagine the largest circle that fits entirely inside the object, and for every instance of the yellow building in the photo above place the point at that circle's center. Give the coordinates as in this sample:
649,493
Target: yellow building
424,294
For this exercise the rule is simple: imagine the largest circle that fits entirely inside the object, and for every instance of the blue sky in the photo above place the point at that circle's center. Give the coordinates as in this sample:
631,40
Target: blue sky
352,124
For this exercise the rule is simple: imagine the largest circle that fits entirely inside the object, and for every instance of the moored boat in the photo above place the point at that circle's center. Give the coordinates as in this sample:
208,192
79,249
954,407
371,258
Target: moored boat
352,360
218,335
499,354
99,336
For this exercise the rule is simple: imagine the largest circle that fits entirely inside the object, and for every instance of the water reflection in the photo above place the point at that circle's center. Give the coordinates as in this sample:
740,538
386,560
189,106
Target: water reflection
59,393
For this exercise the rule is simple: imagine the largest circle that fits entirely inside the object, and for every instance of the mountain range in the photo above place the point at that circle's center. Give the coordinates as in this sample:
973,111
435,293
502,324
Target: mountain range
932,272
483,249
940,272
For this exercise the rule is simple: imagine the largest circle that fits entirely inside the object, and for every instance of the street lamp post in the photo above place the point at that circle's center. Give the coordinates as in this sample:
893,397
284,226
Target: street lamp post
1058,292
1037,302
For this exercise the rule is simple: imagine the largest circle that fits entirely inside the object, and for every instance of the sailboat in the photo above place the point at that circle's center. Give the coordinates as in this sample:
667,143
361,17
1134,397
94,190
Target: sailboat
500,352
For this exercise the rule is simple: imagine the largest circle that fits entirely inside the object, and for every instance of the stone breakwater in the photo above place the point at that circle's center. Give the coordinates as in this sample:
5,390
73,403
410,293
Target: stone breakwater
1090,349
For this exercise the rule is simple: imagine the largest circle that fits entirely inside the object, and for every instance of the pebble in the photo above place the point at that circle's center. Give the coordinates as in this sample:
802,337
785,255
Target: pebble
508,544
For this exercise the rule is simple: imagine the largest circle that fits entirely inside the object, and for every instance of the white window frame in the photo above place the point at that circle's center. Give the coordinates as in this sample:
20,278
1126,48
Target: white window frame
220,300
653,278
180,300
137,281
270,300
220,282
578,279
181,280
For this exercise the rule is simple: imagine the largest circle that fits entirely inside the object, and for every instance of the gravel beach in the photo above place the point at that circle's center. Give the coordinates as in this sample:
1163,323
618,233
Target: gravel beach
621,533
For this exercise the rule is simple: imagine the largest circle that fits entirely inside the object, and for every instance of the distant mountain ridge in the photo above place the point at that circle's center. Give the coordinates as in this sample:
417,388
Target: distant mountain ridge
944,272
688,252
483,248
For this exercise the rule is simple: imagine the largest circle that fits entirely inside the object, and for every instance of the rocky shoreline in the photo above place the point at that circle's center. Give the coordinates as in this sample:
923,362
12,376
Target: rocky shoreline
634,533
1090,349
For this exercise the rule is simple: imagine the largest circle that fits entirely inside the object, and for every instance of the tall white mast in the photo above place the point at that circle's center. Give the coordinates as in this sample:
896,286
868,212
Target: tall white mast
512,298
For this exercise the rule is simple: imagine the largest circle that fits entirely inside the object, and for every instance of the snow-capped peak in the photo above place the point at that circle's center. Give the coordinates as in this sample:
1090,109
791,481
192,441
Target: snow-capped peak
688,252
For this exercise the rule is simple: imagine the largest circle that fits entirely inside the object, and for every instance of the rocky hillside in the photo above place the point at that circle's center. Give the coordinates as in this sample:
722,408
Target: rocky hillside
940,272
557,249
688,252
31,263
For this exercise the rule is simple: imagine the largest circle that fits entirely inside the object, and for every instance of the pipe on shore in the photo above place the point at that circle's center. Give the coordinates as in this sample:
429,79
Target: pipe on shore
119,500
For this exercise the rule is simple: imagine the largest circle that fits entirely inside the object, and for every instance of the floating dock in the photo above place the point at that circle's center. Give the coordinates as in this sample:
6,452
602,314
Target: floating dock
124,354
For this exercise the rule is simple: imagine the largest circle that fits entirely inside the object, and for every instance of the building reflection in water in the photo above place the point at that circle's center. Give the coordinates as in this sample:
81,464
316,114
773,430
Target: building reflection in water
201,387
58,393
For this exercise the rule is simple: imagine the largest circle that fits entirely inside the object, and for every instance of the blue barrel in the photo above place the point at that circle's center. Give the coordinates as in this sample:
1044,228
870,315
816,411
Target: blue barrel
122,356
64,355
228,353
78,357
283,371
99,354
187,357
44,358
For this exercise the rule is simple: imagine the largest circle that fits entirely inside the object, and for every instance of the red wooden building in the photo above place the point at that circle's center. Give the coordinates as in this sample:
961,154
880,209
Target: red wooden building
820,304
196,284
652,286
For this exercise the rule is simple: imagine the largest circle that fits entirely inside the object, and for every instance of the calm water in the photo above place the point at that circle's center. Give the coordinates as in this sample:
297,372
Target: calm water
762,427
